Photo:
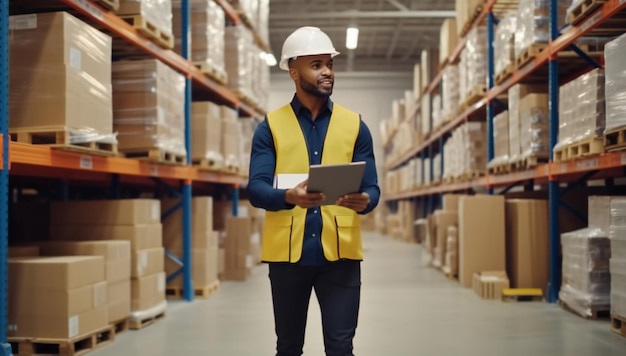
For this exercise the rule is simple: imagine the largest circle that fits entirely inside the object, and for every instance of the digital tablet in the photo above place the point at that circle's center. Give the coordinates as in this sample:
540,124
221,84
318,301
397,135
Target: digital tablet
335,180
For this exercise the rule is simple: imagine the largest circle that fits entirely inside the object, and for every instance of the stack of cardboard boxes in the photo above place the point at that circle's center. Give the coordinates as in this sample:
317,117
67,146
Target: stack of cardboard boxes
134,220
206,134
57,297
158,13
204,244
60,78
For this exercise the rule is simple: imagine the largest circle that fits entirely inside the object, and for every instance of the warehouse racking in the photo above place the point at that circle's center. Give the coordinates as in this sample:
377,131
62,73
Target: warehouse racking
544,66
44,162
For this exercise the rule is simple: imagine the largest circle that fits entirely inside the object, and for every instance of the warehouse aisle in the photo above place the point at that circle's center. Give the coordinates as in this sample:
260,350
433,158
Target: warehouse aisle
407,310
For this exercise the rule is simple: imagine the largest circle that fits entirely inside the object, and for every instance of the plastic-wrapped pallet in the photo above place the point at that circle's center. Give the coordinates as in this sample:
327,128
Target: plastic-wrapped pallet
516,94
474,147
534,126
437,167
427,119
581,108
157,13
148,107
427,172
239,46
533,26
206,134
501,139
230,139
474,58
618,256
437,117
60,77
263,21
586,287
450,91
504,43
615,67
208,23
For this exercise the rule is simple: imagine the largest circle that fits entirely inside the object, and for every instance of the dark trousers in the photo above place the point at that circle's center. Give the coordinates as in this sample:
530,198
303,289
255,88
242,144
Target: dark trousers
338,289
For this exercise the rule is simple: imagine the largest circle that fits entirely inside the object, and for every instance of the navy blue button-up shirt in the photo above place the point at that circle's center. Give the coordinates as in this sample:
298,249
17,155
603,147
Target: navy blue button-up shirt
263,164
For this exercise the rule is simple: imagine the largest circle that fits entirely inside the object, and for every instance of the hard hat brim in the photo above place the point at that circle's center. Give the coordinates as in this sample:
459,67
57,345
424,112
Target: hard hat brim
284,62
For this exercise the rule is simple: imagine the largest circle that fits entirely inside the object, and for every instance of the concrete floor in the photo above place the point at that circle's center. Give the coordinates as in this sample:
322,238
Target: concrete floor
406,310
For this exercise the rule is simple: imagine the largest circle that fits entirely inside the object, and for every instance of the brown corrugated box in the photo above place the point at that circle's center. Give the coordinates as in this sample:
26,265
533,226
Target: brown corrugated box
204,268
490,284
527,243
206,129
448,39
56,327
56,273
106,212
119,300
201,224
443,220
451,202
63,303
238,260
481,236
116,255
141,237
60,74
147,262
147,291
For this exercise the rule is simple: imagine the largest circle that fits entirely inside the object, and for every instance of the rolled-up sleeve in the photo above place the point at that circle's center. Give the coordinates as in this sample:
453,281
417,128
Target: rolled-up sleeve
261,191
364,151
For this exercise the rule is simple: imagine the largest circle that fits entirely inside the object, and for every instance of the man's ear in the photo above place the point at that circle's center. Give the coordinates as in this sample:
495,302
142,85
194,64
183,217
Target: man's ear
293,73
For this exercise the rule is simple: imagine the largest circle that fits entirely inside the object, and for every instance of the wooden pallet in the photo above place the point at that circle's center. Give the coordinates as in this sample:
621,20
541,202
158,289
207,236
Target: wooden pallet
528,162
500,168
76,346
615,140
208,164
217,75
150,30
468,176
530,53
505,73
596,313
589,147
156,155
110,4
618,325
470,21
203,292
138,324
230,169
583,10
522,295
503,7
475,95
121,326
61,138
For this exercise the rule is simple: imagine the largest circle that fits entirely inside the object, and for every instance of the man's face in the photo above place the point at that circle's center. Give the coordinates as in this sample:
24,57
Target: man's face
314,74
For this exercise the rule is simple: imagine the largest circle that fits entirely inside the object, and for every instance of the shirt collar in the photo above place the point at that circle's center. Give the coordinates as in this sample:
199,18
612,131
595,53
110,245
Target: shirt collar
298,107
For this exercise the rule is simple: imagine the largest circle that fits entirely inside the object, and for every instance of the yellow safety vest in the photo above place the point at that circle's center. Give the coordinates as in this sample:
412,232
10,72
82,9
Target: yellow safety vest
283,233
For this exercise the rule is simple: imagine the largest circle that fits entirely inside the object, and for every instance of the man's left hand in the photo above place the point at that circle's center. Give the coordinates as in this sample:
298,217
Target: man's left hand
356,201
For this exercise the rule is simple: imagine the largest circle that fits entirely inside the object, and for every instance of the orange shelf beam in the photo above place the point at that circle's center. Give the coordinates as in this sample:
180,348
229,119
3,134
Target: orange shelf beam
230,11
40,159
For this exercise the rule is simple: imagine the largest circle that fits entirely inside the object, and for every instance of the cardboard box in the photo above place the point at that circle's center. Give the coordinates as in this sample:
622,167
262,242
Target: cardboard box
206,131
71,86
116,255
147,291
417,81
59,327
203,236
527,243
141,237
429,64
119,300
147,262
238,260
451,202
489,285
443,220
25,301
204,268
481,236
106,212
55,273
448,40
24,251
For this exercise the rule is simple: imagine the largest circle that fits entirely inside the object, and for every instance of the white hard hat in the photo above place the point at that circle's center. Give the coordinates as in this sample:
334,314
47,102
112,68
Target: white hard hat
306,41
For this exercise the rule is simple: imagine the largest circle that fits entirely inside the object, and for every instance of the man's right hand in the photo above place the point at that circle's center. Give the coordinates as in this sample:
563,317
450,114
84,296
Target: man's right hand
299,196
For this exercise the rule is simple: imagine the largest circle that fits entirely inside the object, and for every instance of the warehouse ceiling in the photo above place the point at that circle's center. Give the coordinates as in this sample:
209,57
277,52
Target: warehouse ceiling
392,33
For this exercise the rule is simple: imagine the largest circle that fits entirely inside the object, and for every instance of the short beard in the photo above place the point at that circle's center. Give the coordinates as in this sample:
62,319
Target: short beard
314,90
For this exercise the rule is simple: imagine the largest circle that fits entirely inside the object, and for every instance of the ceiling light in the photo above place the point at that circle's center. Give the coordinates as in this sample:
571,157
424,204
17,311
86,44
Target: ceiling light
352,37
270,59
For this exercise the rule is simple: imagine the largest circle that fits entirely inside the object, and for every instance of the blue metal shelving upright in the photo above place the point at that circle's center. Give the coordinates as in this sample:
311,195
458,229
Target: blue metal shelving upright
5,348
491,23
553,186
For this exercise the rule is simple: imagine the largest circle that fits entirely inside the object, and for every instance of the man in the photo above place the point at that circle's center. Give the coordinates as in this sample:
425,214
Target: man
308,246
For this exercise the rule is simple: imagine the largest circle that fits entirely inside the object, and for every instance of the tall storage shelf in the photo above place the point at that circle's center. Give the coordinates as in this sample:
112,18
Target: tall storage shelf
543,68
45,162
